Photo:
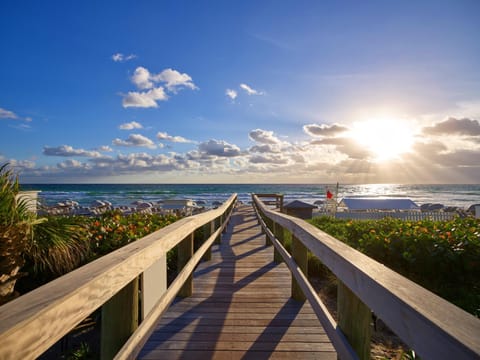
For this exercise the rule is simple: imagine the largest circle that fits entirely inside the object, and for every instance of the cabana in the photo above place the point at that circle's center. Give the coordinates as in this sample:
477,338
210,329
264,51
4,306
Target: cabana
299,209
378,204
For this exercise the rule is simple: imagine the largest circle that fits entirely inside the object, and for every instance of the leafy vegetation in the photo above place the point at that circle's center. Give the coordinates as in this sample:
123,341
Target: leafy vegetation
443,257
51,244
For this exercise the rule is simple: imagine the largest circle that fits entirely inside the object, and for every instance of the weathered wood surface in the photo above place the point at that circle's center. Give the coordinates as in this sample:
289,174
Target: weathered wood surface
433,327
240,308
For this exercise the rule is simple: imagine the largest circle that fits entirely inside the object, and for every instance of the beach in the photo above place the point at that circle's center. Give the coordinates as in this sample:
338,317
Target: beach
462,196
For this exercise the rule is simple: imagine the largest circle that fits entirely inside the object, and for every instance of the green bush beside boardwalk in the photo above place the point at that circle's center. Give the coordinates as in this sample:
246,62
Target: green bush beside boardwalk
442,256
103,234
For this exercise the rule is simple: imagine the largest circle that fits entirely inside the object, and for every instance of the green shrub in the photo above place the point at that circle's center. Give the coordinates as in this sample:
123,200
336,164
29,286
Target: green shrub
443,257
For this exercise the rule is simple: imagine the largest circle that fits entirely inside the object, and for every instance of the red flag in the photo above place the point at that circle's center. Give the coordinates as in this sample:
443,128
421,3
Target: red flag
329,194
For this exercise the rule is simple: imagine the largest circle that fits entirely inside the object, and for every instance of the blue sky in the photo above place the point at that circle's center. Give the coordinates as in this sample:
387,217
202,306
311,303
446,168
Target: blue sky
241,91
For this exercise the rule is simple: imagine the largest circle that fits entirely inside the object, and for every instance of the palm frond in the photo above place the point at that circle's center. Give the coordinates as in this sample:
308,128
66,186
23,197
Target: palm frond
60,244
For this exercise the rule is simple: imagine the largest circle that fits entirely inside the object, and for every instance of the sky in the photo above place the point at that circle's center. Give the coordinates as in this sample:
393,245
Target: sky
240,91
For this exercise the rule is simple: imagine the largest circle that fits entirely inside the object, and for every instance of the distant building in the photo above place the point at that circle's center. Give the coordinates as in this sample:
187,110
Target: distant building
30,198
378,204
299,209
185,206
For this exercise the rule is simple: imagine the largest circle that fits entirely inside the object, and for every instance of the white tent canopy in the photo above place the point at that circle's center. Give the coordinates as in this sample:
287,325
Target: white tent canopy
378,204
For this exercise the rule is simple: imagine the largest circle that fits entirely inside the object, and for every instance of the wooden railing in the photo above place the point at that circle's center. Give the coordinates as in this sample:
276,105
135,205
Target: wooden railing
433,327
34,322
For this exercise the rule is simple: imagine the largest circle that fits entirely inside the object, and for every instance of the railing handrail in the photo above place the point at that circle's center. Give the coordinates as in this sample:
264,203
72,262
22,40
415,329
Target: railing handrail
30,324
427,323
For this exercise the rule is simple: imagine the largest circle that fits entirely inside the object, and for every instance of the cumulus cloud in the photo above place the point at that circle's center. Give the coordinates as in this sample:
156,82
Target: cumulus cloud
163,136
249,90
135,140
219,148
144,99
130,126
232,94
324,129
168,79
21,165
73,164
263,136
173,80
265,148
7,114
67,151
453,126
346,146
142,78
119,57
105,148
277,159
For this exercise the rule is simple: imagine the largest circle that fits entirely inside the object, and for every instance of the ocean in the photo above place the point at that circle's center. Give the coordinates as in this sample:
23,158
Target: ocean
462,196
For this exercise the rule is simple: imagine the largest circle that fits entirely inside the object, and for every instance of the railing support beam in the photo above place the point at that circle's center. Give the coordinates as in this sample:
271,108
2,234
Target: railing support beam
300,255
278,233
119,320
354,319
185,252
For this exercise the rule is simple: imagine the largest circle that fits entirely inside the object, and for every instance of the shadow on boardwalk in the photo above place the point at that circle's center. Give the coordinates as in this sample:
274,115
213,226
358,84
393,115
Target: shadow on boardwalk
241,307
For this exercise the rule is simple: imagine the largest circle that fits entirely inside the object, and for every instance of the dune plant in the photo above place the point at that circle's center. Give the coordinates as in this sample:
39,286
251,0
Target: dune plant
16,228
49,243
442,256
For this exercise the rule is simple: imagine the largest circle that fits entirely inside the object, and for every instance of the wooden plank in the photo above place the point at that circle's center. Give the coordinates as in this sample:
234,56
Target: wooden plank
237,355
236,329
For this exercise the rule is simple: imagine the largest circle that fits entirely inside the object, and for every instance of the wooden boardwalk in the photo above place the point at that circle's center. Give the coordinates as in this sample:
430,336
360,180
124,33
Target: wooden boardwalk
241,307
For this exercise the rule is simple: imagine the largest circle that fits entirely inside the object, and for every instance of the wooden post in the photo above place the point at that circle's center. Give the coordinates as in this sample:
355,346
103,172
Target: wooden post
119,320
300,255
210,231
354,319
223,219
267,223
277,230
185,252
279,234
218,223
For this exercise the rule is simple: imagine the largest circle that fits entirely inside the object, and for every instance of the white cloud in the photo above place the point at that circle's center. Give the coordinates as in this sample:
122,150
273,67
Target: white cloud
452,126
119,57
142,78
177,139
219,148
263,137
20,165
249,90
144,99
232,94
105,148
66,151
130,126
73,164
324,129
135,140
173,79
169,79
7,114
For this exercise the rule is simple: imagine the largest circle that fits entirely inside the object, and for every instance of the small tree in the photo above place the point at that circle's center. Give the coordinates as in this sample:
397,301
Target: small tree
53,243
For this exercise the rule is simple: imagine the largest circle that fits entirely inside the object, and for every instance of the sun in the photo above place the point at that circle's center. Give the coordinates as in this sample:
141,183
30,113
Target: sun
385,138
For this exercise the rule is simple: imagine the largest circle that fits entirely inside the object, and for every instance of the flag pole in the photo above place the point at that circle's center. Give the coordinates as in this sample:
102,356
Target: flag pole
336,198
